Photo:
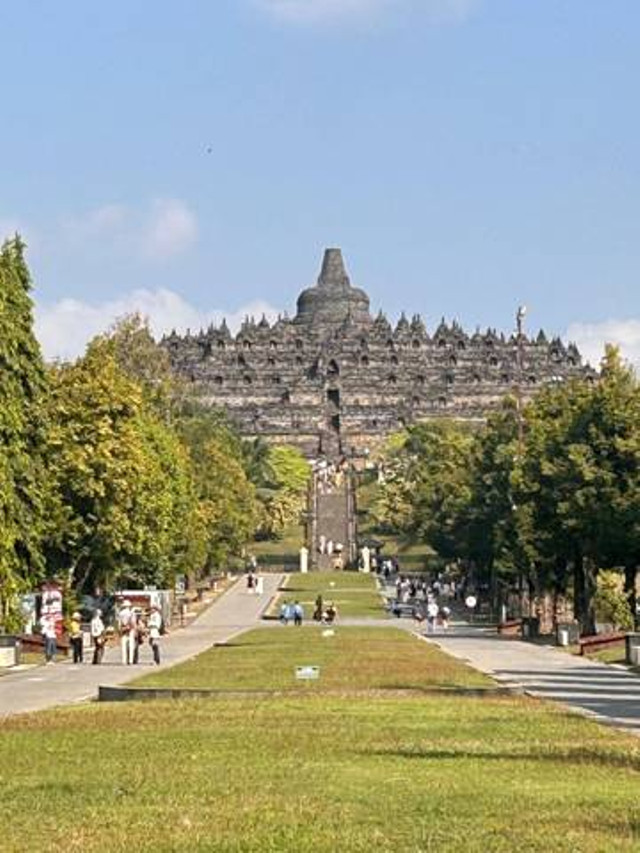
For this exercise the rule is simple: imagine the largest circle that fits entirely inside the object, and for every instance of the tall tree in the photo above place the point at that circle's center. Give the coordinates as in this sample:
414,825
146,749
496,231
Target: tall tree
23,483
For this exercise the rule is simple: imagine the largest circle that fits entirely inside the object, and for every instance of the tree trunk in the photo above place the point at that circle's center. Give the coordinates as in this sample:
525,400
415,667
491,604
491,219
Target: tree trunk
585,575
630,572
579,591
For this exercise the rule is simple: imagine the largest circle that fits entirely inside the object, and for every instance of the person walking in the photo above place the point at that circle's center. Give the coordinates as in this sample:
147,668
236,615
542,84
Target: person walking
127,626
155,630
139,634
50,640
432,615
75,636
98,638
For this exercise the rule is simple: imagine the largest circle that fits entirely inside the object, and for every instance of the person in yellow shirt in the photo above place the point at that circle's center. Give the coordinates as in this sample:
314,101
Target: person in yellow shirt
75,635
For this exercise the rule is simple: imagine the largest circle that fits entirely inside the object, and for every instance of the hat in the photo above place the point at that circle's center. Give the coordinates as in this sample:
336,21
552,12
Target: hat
77,615
126,603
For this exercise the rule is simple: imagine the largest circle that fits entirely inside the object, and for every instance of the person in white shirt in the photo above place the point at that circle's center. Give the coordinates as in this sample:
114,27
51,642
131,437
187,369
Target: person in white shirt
154,624
127,628
97,631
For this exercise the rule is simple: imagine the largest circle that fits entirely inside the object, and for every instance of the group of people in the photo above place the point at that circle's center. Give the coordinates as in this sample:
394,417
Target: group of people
428,600
326,613
134,628
332,549
291,611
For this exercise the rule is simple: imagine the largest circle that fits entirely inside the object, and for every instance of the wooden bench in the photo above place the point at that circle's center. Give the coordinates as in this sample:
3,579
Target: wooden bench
599,641
400,608
35,643
510,628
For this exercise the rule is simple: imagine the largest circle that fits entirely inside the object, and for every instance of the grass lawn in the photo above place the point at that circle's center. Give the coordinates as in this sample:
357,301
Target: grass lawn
353,659
353,594
280,553
318,773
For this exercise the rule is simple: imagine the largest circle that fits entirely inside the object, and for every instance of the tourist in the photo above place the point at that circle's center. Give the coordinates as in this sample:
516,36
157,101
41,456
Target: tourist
298,613
330,613
75,637
127,627
98,638
444,615
48,628
139,633
259,585
155,630
432,615
317,613
251,581
285,612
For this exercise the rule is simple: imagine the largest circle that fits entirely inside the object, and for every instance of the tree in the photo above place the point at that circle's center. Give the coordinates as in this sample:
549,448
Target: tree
23,485
123,477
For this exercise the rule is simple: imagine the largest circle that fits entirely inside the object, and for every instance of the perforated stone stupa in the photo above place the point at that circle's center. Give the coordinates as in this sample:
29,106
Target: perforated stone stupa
334,379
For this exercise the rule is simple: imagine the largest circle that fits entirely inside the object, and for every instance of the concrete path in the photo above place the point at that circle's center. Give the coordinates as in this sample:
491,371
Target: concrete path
48,686
608,693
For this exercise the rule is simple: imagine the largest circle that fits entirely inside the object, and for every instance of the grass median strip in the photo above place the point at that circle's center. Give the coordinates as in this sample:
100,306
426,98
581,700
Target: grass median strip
351,659
354,594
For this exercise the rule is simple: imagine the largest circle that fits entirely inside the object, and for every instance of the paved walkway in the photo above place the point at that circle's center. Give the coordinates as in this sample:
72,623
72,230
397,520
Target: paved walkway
608,693
45,687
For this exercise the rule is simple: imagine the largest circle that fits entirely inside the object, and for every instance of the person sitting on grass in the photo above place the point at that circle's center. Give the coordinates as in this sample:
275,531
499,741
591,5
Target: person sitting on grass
298,613
330,613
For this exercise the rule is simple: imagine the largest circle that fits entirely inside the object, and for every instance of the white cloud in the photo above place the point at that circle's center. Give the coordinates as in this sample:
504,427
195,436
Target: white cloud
171,229
64,328
591,339
159,230
337,11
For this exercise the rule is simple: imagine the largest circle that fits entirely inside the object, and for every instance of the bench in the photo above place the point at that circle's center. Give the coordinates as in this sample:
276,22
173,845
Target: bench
599,641
35,643
510,628
400,608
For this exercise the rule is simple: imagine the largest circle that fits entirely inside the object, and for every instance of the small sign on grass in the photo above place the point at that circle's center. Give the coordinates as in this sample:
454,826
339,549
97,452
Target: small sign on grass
307,673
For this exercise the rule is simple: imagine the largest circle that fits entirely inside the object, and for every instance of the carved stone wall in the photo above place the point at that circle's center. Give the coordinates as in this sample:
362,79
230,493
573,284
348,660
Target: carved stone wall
333,378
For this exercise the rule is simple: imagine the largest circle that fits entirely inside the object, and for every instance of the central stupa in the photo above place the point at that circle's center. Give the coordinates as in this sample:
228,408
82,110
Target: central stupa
332,300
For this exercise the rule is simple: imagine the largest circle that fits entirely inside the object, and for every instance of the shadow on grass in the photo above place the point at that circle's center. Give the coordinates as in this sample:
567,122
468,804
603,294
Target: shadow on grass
577,757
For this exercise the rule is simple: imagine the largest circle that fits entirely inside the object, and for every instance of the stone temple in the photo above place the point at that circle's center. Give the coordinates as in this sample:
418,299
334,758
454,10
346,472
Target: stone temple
334,379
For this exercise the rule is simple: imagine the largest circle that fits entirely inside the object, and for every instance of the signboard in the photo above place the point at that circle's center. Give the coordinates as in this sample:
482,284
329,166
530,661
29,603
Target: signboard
307,673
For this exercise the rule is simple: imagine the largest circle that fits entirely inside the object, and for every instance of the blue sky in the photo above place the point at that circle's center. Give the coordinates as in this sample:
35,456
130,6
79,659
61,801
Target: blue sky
194,159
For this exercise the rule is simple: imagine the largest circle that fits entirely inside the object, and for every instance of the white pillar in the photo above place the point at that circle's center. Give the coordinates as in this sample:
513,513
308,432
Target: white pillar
304,560
366,560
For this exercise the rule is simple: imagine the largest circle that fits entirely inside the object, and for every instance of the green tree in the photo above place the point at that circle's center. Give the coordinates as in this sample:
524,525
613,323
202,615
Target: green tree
23,483
124,479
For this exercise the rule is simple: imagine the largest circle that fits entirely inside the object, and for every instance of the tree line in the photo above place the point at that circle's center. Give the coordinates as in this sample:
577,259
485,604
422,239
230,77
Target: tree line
546,495
111,474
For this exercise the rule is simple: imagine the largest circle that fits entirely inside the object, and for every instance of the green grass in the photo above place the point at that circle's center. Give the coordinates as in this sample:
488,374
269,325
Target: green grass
353,659
353,594
316,773
283,552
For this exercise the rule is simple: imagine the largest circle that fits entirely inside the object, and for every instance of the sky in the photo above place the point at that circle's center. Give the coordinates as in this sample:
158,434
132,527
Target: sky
193,160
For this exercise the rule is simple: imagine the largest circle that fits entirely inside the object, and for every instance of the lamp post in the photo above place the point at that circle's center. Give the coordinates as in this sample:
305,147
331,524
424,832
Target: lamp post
520,315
